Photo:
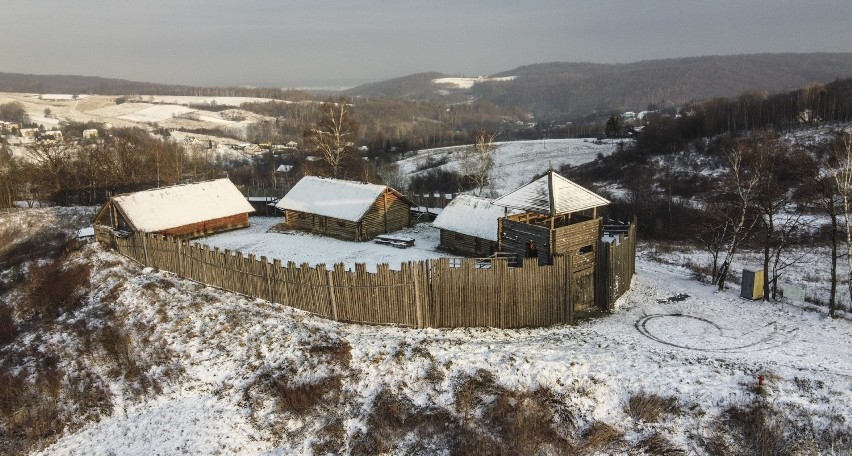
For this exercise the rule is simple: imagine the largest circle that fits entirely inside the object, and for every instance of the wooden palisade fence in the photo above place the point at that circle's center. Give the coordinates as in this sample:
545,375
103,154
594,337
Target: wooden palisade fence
432,200
434,293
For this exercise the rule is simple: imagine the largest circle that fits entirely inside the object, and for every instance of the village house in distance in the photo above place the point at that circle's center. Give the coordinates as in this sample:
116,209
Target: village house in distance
348,210
184,211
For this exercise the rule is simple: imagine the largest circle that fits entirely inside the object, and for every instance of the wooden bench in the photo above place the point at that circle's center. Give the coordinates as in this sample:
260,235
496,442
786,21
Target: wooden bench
394,241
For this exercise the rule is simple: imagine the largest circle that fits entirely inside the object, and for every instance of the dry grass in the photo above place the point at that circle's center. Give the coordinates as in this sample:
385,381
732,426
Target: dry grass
394,417
659,446
337,352
601,436
304,397
649,407
8,331
525,421
759,429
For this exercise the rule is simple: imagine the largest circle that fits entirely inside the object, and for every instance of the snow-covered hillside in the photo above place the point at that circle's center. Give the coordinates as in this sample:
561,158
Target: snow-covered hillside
517,162
226,374
706,352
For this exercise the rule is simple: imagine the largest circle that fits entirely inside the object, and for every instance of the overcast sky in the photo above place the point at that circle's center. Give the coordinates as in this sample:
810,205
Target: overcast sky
344,42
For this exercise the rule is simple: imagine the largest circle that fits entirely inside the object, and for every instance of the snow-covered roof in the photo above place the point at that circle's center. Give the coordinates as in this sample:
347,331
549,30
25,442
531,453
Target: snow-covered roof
341,199
170,207
551,194
284,168
472,216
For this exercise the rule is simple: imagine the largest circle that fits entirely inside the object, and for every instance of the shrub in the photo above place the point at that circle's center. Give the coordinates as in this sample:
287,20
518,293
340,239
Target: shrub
116,345
53,289
438,180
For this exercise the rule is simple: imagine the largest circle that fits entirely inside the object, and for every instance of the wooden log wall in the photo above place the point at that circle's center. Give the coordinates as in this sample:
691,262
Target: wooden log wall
614,272
569,239
438,293
514,236
464,244
387,214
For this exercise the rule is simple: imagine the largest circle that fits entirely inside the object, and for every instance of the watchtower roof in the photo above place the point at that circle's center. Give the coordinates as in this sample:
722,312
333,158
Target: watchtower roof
553,195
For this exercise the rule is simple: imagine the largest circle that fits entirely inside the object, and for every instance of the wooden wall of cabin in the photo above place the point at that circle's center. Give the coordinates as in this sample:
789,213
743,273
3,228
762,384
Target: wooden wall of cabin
206,227
388,213
466,245
580,240
371,225
321,224
513,238
111,217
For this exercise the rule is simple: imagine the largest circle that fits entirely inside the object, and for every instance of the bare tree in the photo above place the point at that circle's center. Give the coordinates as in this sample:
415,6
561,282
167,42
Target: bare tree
52,159
820,194
333,137
781,217
842,171
712,232
478,160
746,170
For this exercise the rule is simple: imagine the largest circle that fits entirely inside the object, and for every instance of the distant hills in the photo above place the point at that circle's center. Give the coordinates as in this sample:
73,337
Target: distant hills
550,91
570,90
74,84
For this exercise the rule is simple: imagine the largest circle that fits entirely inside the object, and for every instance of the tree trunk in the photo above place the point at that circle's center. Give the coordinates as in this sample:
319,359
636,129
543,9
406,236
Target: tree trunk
832,300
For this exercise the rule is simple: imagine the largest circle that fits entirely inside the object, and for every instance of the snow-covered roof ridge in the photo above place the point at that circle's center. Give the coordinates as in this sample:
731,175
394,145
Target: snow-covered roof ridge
472,216
179,205
552,194
336,198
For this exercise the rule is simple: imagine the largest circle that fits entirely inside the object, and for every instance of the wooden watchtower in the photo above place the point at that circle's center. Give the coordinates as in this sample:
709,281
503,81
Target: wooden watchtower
558,217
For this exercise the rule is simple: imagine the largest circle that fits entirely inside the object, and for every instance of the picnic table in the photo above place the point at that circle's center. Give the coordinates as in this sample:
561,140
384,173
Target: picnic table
394,241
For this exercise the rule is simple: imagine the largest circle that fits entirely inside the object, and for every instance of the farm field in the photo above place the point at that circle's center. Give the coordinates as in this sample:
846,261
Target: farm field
165,111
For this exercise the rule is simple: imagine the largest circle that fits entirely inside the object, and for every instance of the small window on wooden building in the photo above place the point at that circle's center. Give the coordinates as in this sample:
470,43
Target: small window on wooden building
586,249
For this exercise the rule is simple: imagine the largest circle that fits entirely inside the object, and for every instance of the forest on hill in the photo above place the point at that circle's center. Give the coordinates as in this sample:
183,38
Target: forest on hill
568,91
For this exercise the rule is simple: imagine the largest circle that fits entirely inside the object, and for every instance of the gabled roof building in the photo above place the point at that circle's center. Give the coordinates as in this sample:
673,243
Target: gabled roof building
344,209
185,211
468,225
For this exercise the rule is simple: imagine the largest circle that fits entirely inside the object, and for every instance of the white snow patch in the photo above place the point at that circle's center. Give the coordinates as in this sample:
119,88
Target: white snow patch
466,83
156,113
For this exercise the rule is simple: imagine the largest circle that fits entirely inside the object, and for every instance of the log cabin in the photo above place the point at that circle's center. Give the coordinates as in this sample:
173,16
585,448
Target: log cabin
184,211
348,210
468,226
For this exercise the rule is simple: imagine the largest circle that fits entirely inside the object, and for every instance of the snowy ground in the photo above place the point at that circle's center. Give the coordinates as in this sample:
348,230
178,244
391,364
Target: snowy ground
301,247
156,113
188,100
706,351
516,163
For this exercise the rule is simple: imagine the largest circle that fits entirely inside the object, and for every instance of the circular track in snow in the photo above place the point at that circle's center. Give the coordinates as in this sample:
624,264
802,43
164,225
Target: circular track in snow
696,333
